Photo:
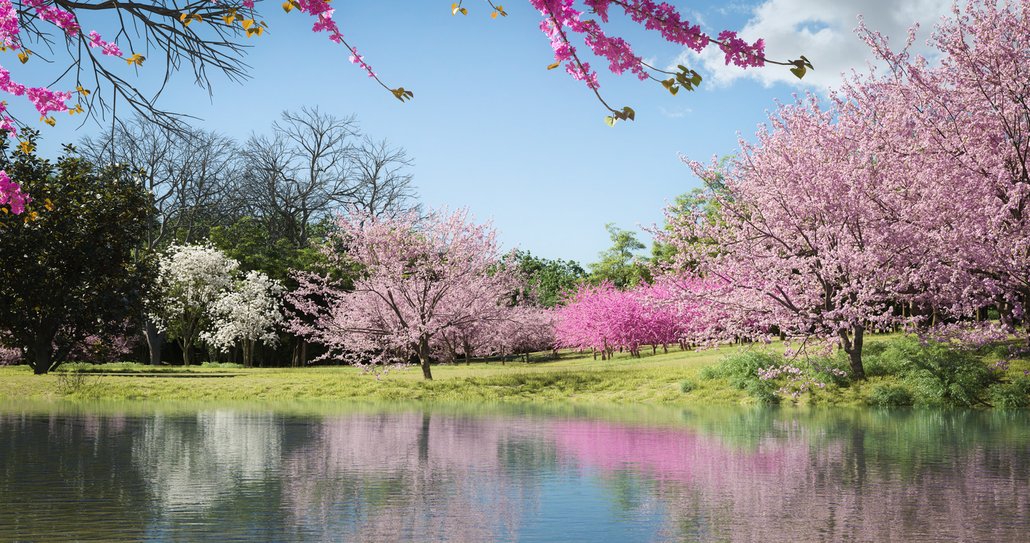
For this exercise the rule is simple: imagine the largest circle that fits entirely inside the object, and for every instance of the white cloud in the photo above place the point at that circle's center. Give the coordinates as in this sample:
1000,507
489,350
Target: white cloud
823,31
675,113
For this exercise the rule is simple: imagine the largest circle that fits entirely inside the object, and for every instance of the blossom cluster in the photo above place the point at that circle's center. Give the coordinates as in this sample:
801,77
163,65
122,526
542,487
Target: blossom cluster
12,195
107,48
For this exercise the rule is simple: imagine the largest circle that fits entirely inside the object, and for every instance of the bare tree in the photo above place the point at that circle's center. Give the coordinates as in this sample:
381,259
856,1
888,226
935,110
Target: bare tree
188,173
299,175
385,187
314,165
154,31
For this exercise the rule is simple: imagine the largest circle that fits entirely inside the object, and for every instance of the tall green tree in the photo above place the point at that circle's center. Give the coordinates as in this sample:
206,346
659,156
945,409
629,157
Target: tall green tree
622,264
68,269
548,280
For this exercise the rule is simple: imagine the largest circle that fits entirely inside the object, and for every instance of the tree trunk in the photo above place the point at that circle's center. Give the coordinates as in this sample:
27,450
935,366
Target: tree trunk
155,340
423,358
187,352
248,353
40,354
41,361
853,346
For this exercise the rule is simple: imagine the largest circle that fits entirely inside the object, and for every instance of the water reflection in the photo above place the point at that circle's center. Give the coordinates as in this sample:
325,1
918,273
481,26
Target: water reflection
421,474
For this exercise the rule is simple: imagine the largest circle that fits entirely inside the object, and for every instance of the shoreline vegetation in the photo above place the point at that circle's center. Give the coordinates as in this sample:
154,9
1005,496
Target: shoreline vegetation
902,372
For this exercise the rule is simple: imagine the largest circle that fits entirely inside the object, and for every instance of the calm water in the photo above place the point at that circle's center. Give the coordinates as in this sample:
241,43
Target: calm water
252,473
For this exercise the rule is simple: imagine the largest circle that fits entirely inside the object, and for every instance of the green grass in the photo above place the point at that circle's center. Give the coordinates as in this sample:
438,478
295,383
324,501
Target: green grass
652,380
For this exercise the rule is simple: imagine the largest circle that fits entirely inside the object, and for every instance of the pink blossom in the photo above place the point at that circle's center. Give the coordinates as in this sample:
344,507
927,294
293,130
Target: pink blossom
11,194
108,48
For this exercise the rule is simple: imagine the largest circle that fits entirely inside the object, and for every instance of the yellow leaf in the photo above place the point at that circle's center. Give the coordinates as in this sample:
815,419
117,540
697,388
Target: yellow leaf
454,9
464,11
136,59
553,66
493,15
287,7
255,31
49,120
48,204
229,19
26,147
182,18
247,23
24,56
81,90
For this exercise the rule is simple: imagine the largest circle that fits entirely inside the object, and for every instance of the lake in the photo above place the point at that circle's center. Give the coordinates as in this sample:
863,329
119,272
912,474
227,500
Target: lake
310,472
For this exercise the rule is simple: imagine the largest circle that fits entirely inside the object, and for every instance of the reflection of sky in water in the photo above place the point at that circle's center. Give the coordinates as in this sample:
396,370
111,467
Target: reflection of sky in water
251,475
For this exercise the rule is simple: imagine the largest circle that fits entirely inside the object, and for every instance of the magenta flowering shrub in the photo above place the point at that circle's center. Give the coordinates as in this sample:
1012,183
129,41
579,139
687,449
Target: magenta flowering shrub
605,319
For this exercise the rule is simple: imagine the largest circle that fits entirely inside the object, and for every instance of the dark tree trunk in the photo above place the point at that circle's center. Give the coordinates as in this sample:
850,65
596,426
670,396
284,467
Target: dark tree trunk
155,340
41,361
423,359
187,352
41,351
853,347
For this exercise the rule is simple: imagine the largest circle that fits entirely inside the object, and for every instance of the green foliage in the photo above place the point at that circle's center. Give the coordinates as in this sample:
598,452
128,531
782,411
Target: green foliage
621,264
250,242
68,266
548,280
939,374
687,386
1012,395
885,358
741,371
890,396
222,365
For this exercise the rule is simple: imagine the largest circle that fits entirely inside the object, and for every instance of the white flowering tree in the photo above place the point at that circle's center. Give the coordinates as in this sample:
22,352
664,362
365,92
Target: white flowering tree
248,314
191,278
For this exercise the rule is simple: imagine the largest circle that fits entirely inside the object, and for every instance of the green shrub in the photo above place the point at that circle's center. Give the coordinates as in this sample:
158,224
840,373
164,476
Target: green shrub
710,372
222,365
890,358
949,376
890,396
741,369
1011,395
766,392
687,386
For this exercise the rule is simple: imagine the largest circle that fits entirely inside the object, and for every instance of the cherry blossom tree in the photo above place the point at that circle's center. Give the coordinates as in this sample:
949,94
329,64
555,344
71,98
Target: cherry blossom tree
810,239
605,319
191,281
962,126
248,313
418,278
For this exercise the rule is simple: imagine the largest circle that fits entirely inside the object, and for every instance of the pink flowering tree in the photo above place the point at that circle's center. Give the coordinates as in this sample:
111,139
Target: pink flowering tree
604,319
523,330
418,278
962,125
810,239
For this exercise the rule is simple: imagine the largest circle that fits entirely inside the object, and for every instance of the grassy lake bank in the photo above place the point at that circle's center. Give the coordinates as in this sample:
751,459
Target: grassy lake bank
677,378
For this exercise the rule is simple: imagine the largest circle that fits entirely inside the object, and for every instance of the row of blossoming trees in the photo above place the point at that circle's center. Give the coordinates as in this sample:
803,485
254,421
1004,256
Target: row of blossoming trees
899,200
411,288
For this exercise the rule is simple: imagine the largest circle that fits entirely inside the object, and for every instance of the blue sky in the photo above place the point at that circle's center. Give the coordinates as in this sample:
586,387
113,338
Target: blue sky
492,130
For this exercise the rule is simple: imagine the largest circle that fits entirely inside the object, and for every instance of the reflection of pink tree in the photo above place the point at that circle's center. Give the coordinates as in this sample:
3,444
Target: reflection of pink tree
803,482
375,478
